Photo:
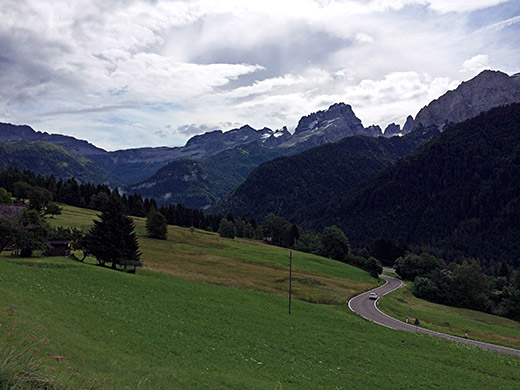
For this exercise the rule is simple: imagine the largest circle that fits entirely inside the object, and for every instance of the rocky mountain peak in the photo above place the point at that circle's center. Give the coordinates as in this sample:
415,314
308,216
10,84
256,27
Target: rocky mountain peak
339,112
485,91
408,125
276,138
373,131
392,129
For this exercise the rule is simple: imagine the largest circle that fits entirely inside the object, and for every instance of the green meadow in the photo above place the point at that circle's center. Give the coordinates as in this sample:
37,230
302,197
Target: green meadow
452,320
185,323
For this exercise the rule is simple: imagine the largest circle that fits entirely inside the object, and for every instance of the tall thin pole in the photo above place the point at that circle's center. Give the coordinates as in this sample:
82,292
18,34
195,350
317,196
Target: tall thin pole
290,280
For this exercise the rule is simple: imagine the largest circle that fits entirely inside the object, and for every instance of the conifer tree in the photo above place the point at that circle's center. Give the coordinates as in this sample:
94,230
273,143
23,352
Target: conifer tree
112,238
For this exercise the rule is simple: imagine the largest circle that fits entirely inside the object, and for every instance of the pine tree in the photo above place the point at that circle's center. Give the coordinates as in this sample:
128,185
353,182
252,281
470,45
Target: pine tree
112,238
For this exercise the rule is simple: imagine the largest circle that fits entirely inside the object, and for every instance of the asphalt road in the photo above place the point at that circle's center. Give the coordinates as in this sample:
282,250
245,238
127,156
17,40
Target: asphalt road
368,309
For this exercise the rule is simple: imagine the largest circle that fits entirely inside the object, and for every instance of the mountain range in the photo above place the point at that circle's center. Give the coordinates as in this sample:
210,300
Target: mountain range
289,186
49,159
299,189
460,191
211,165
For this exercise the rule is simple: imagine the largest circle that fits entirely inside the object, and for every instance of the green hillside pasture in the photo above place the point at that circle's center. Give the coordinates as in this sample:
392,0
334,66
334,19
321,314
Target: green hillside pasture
157,331
206,257
452,320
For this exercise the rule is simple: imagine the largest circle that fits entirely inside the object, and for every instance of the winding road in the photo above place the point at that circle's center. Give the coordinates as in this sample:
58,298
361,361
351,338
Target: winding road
368,309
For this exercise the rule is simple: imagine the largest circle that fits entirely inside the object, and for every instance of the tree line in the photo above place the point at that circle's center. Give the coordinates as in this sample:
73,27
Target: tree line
331,242
42,192
462,283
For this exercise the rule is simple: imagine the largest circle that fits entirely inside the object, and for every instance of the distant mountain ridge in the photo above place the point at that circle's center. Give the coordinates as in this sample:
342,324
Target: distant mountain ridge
50,159
217,175
139,164
15,133
460,192
201,183
138,167
292,186
485,91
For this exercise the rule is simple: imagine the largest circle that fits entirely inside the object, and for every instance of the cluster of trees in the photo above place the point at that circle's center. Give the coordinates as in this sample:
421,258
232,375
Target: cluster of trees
26,232
111,239
23,184
42,192
25,228
462,284
331,242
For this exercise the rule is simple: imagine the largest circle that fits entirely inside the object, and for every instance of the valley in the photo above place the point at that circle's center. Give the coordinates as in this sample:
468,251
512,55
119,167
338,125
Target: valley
157,330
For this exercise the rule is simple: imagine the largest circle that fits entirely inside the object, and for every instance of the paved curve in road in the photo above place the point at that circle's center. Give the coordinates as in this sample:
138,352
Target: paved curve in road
368,309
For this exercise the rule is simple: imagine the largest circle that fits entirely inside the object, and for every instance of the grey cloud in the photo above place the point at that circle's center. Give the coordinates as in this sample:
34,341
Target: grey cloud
290,53
192,129
92,109
162,133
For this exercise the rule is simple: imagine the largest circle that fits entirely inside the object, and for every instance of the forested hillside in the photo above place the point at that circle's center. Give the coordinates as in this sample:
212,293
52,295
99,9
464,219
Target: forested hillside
460,192
291,186
200,184
50,159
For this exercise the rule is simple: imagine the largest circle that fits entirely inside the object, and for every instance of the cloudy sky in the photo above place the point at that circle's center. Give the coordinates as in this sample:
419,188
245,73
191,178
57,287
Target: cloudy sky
131,73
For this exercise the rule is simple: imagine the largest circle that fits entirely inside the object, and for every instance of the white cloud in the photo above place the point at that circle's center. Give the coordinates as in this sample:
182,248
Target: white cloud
364,38
445,6
476,63
502,24
118,72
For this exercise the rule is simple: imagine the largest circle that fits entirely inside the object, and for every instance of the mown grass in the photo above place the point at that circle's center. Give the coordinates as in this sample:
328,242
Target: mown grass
166,330
205,257
456,321
157,331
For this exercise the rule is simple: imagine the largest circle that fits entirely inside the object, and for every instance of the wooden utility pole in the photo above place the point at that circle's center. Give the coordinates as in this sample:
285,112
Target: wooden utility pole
290,280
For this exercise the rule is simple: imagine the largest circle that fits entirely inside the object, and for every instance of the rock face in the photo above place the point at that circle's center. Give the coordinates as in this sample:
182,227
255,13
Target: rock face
392,129
487,90
339,121
373,131
408,125
276,138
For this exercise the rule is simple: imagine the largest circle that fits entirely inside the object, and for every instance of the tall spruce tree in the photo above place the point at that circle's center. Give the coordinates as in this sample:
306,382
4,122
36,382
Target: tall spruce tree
112,238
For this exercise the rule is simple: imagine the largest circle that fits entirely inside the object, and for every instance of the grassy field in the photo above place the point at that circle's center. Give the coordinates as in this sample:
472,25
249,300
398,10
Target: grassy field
202,256
157,331
451,320
167,330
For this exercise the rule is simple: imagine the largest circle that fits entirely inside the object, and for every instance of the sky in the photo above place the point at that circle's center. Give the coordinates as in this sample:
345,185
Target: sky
133,73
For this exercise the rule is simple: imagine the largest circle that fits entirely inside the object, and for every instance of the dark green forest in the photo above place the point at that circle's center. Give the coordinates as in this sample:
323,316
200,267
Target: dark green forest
459,194
291,186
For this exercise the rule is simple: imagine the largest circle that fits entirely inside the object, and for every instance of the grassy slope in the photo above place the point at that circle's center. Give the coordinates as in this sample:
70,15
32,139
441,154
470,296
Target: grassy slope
206,257
158,331
451,320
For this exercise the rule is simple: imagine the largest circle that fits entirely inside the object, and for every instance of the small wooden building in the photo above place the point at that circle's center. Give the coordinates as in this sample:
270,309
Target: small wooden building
58,248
